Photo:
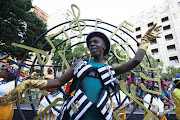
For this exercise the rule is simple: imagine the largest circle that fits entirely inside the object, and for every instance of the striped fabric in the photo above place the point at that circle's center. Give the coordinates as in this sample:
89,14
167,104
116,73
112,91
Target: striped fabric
107,74
104,105
83,105
7,112
47,116
81,68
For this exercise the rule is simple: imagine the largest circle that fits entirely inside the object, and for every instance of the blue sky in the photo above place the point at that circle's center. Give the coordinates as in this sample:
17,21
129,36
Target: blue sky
107,10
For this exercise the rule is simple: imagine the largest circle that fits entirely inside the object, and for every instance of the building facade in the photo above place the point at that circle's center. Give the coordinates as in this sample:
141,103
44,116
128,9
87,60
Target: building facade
166,48
39,13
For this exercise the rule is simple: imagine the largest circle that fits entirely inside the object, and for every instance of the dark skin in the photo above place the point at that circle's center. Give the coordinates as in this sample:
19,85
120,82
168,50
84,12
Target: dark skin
4,74
97,47
165,78
10,61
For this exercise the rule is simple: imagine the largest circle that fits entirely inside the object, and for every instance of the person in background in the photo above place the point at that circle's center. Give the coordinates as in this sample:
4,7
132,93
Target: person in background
11,62
8,73
50,114
130,80
159,105
49,74
165,92
176,95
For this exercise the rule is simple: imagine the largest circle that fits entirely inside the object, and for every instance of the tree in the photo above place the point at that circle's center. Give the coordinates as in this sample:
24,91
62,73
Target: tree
19,25
171,72
71,55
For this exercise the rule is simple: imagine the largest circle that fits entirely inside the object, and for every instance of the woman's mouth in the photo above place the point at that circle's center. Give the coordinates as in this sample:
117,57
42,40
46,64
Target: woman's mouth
93,49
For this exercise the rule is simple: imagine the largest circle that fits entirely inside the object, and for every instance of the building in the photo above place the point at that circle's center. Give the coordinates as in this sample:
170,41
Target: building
39,13
166,48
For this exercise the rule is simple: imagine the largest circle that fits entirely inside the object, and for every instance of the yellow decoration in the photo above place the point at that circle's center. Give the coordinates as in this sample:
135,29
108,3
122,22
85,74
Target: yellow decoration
116,117
72,94
38,52
176,95
133,97
10,58
26,96
152,79
123,24
49,107
97,21
64,59
77,21
122,53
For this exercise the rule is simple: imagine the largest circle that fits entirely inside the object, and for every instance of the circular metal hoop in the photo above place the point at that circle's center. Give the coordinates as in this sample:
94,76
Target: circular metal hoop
90,25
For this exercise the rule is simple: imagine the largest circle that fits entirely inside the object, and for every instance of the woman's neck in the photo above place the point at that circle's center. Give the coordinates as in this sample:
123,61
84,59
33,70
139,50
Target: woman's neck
98,59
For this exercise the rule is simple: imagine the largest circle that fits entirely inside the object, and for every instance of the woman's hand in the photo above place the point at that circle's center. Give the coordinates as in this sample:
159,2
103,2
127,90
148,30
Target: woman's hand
151,34
21,88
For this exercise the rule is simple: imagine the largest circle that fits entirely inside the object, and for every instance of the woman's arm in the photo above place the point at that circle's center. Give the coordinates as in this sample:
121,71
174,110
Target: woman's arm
151,34
58,82
130,64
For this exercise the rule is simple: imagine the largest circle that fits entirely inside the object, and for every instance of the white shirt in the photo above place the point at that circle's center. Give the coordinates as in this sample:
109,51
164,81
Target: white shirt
156,101
122,97
45,103
4,88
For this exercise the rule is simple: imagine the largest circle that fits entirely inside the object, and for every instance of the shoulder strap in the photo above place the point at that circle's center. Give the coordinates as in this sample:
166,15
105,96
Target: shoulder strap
155,105
10,87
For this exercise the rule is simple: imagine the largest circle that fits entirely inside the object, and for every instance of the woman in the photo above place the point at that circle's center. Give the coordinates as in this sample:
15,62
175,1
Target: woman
93,80
6,85
50,114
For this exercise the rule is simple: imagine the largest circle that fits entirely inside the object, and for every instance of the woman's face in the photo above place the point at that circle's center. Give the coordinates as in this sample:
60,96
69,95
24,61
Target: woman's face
96,46
3,73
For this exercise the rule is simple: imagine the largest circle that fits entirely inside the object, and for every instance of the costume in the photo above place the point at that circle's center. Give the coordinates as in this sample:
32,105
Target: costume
6,112
44,103
139,90
91,100
129,82
119,97
159,105
164,90
176,95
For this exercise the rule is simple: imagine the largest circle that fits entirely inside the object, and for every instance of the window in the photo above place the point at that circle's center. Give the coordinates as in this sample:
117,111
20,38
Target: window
152,42
178,4
138,36
164,19
158,60
150,24
67,14
166,27
138,29
66,20
173,59
171,48
169,37
154,51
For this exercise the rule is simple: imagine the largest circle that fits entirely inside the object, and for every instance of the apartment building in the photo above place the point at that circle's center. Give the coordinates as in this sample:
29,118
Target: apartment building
166,48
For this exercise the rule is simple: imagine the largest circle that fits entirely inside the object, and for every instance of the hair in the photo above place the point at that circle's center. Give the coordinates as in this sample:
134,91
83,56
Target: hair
11,77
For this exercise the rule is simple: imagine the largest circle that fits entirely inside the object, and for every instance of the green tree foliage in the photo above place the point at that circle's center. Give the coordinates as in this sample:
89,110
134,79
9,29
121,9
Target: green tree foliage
71,55
171,72
19,25
62,47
